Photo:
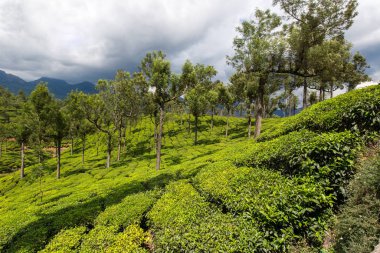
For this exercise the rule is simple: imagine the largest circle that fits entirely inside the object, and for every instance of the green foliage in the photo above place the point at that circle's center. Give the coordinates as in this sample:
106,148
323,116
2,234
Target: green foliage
99,239
285,209
328,157
65,241
130,241
357,227
357,108
223,195
129,211
183,221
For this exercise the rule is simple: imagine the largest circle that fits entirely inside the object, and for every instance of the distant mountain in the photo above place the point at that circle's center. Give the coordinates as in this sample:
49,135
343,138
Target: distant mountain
59,88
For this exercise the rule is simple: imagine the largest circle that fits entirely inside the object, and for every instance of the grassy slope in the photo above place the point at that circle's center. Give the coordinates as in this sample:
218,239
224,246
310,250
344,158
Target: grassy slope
204,198
34,209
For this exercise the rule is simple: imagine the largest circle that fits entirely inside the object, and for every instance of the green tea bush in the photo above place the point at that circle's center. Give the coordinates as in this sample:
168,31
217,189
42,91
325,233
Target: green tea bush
131,240
358,108
357,227
99,239
183,221
108,239
286,209
130,210
67,240
328,157
274,154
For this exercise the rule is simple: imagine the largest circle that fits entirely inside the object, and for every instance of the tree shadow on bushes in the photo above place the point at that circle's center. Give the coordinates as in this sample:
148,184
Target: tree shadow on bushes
37,234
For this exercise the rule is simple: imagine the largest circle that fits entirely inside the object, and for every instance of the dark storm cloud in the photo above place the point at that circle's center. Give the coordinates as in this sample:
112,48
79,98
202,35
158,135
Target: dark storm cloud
91,39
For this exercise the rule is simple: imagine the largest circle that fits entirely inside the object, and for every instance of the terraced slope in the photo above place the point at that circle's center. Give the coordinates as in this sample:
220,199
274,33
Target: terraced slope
224,195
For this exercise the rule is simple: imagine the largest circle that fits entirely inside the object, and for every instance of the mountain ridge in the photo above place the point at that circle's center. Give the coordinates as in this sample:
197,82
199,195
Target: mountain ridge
60,88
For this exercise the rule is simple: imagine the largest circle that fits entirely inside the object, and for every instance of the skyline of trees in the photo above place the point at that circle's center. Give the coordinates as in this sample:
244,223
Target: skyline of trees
272,58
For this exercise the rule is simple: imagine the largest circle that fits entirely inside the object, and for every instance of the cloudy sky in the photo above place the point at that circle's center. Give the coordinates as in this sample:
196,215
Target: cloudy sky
79,40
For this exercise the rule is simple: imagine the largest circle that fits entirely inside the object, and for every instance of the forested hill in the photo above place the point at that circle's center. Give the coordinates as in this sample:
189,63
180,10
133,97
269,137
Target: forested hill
59,88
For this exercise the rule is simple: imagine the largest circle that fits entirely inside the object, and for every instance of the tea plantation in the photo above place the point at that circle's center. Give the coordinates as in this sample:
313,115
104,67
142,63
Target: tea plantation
226,194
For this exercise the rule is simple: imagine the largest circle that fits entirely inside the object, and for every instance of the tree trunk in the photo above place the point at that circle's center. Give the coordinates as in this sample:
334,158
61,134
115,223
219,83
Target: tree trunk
304,102
320,94
83,147
119,146
189,124
159,139
125,140
195,130
212,118
22,161
58,159
56,151
227,123
332,90
249,124
109,149
72,146
250,120
260,103
324,95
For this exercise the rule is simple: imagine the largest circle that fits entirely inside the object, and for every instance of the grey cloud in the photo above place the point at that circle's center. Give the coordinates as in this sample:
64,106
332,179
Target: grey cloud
91,39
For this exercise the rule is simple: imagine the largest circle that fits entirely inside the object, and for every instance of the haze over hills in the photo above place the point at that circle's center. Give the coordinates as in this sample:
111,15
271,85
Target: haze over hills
59,88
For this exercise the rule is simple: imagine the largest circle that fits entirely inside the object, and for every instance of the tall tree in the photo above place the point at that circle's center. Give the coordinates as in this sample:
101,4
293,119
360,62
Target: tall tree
330,59
22,129
42,103
58,130
312,22
213,100
355,71
244,86
96,112
165,88
198,80
226,99
78,125
259,52
197,102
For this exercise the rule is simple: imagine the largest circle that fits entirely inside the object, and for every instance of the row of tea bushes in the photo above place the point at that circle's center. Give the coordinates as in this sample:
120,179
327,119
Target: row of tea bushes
356,110
286,209
183,221
328,157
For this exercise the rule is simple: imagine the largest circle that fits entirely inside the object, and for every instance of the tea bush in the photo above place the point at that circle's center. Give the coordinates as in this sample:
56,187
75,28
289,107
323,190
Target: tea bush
183,221
129,211
358,108
108,239
286,209
357,227
328,157
66,241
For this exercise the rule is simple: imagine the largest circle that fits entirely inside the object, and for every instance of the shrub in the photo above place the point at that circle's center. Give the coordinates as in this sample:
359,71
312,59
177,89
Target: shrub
130,210
182,221
358,108
67,240
357,226
130,241
286,209
328,157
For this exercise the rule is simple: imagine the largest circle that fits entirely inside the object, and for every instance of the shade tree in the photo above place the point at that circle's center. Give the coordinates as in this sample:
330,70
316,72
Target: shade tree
165,89
259,50
311,22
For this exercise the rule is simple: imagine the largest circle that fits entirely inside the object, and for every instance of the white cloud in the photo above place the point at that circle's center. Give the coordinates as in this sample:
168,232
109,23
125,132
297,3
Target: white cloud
90,39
